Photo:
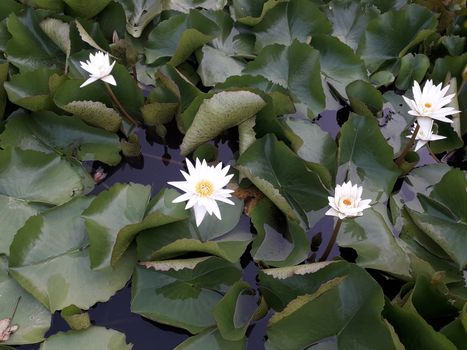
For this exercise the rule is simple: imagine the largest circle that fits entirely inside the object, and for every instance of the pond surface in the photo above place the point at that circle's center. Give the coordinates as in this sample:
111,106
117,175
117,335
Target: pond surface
155,170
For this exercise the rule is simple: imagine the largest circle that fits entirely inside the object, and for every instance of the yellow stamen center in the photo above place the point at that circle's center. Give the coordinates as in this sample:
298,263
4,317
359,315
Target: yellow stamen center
347,201
204,188
428,105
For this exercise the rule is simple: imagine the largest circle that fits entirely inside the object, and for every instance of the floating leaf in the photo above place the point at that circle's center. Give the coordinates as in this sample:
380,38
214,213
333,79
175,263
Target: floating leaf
375,244
225,238
413,67
49,133
85,9
89,104
407,322
211,339
58,32
381,43
235,311
93,338
32,318
349,20
139,13
339,64
314,146
13,214
38,177
49,257
35,96
299,19
30,48
216,66
276,243
108,214
184,298
364,98
220,112
374,165
283,177
348,302
177,37
251,12
296,68
444,217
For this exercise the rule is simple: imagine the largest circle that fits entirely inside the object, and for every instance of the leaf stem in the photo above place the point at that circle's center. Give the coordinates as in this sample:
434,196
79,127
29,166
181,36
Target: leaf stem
120,106
408,146
432,154
332,241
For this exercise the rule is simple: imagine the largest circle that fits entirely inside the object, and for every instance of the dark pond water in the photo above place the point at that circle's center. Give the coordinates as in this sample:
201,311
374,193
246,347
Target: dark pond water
145,334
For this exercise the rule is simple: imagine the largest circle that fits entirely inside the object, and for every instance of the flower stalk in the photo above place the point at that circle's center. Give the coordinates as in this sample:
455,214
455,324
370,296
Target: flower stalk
120,106
408,146
332,241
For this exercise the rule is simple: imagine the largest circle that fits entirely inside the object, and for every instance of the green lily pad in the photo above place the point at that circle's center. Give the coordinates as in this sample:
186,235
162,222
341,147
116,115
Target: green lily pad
347,302
35,96
234,312
283,177
140,14
413,67
225,238
30,48
107,217
183,298
314,146
93,338
31,317
85,9
372,166
296,68
375,244
444,218
382,43
89,104
340,66
211,339
300,20
220,112
277,243
49,133
45,178
349,20
49,257
178,37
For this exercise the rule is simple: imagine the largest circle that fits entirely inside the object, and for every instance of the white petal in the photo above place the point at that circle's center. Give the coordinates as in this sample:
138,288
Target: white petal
425,124
183,185
435,137
420,144
89,81
200,212
332,212
184,197
193,201
110,80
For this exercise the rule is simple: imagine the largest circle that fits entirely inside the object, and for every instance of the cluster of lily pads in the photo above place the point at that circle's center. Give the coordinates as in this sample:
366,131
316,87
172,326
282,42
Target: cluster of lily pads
80,80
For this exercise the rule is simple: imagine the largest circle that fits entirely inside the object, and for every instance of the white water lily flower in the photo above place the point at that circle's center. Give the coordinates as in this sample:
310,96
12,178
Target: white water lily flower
423,137
99,67
203,187
347,201
429,104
